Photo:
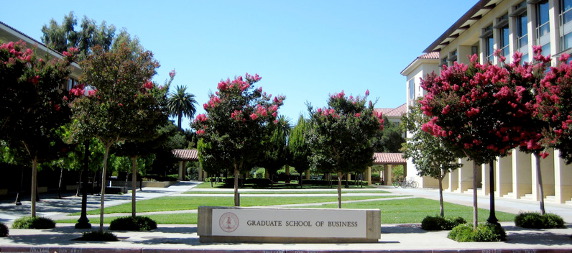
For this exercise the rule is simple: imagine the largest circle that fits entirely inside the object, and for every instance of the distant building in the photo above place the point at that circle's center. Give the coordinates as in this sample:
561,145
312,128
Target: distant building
509,26
393,114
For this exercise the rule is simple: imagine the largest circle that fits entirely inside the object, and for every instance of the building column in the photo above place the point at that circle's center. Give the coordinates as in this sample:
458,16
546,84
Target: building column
453,179
503,175
547,170
181,170
521,174
465,179
485,171
389,174
563,174
368,175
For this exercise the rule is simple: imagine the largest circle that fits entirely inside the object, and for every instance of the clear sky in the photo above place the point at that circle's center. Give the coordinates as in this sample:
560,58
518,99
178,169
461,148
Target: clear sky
302,49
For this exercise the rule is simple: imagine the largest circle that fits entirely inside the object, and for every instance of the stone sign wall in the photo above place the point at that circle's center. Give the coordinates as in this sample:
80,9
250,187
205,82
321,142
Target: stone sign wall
224,224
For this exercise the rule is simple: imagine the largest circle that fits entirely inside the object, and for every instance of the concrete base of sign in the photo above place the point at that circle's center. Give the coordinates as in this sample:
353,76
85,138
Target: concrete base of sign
278,225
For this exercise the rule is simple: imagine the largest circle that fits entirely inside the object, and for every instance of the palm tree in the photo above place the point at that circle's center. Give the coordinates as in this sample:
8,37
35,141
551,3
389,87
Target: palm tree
181,103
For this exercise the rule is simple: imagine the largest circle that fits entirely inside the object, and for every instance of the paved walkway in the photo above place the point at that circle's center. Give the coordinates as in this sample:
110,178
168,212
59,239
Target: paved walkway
183,238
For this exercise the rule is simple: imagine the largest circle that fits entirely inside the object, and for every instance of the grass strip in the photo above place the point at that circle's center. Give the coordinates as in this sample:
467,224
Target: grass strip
301,192
174,203
398,211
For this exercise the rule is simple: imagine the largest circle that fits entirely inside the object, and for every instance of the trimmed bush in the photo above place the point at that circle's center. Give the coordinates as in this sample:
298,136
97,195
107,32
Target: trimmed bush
98,236
3,230
538,221
441,223
484,233
139,223
33,223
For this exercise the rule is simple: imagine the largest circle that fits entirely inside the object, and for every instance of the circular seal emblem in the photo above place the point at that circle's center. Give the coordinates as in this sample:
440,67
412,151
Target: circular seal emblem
228,222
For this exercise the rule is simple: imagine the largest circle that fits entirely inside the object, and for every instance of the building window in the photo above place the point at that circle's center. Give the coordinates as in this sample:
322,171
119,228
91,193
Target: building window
566,24
504,39
522,30
543,26
412,89
489,42
452,57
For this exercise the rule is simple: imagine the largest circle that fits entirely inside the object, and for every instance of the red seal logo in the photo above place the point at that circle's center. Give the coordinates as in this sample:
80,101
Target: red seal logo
228,222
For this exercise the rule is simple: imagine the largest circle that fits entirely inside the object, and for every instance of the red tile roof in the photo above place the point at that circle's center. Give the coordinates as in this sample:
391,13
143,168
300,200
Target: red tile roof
186,154
379,158
393,112
388,158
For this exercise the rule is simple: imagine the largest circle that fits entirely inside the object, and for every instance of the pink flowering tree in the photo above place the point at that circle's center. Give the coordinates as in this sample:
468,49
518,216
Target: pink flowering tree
33,105
478,111
123,105
554,106
342,135
236,121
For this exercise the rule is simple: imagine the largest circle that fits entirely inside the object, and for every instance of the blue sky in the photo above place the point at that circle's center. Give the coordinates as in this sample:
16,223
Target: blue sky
304,50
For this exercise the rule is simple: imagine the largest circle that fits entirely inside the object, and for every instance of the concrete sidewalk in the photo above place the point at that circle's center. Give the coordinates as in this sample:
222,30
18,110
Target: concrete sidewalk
183,238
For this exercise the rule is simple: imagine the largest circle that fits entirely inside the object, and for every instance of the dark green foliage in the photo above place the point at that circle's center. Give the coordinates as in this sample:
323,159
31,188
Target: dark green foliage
98,236
538,221
441,223
484,233
33,223
138,223
3,230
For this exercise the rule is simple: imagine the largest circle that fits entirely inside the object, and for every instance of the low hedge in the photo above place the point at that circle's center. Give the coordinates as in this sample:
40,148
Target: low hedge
3,230
441,223
484,233
538,221
138,223
102,236
29,222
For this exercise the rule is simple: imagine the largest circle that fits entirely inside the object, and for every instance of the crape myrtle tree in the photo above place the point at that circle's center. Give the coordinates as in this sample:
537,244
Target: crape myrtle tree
236,121
122,107
299,147
554,105
33,105
343,135
473,112
430,156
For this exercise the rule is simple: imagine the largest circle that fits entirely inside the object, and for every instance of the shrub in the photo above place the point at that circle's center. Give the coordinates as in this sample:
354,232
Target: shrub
3,230
441,223
138,223
98,236
538,221
33,223
484,233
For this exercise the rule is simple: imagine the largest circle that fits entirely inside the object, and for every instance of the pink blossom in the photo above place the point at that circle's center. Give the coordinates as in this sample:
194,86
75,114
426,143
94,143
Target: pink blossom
367,92
148,85
201,118
172,73
544,155
91,93
253,116
200,132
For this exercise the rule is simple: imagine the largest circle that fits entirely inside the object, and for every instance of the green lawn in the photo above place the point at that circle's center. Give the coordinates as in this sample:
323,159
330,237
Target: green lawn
190,202
301,192
411,210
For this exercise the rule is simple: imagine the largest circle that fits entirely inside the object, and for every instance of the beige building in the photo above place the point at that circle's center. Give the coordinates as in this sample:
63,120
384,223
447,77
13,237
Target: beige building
510,26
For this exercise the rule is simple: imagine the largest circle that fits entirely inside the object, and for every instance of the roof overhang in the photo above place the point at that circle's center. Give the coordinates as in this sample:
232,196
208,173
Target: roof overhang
474,14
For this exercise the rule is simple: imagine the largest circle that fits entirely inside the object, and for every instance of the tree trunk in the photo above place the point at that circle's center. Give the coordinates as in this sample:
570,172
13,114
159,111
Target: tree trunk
340,190
34,185
20,188
60,183
180,120
103,184
133,185
441,207
539,183
236,195
475,205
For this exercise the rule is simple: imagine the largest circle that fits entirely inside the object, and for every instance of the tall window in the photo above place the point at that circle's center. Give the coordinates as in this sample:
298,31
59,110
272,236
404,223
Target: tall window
543,26
412,89
522,30
489,42
566,24
504,40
